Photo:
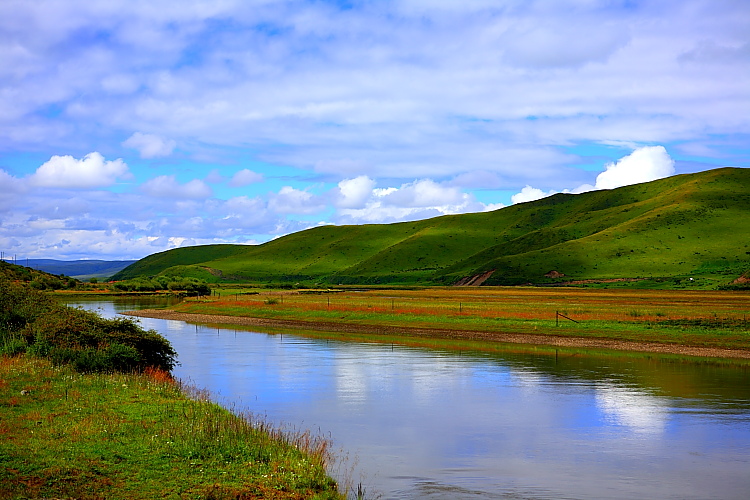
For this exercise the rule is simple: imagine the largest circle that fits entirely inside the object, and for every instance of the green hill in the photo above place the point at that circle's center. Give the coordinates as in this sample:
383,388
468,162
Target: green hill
37,279
693,225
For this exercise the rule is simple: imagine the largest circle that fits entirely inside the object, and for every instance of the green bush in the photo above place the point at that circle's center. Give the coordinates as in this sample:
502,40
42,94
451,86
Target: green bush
80,330
32,322
114,358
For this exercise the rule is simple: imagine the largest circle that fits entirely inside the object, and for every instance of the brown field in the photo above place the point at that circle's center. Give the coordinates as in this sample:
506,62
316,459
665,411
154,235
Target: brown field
700,323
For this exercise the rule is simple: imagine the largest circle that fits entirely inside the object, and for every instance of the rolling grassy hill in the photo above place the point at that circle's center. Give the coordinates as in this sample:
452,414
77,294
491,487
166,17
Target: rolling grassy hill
38,279
693,225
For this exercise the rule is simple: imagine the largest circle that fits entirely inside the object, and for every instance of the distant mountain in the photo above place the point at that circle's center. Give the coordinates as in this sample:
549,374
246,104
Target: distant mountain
681,227
79,269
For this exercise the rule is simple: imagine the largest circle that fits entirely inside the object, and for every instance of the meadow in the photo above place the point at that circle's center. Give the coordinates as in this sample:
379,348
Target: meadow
142,436
714,319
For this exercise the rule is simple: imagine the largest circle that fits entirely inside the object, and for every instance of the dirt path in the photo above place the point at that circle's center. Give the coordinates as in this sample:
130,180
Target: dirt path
516,338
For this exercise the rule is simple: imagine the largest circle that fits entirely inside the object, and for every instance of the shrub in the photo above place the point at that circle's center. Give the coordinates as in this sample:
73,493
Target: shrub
19,306
81,330
114,358
32,322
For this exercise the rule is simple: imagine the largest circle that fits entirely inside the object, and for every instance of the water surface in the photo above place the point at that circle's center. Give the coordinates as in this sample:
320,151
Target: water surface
419,423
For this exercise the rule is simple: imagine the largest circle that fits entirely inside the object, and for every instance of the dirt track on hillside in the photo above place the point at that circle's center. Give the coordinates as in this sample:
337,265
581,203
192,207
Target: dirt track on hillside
516,338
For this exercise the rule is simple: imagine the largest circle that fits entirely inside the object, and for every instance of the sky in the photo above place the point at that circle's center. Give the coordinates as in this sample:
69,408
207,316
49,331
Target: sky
131,127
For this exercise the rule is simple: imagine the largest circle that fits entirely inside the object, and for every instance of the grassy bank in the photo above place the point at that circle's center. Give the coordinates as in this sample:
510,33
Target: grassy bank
693,318
138,436
89,410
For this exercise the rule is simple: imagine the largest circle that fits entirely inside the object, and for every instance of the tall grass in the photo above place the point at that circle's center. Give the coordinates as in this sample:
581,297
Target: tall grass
142,436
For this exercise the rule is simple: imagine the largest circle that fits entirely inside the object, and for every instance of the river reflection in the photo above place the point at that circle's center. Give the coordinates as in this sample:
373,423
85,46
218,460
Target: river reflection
420,423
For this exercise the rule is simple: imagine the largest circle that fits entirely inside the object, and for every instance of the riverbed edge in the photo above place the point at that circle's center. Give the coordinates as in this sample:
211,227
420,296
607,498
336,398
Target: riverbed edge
511,338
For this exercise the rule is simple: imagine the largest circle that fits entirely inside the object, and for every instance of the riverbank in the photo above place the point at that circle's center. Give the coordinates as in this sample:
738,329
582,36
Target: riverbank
141,436
565,341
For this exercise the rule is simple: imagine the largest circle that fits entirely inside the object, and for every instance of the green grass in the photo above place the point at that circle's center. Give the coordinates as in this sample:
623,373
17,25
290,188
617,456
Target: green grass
693,318
68,435
675,228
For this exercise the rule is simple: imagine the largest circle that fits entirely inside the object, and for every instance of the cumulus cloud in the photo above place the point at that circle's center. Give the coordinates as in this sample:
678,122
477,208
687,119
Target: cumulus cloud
167,186
295,201
529,193
411,201
642,165
150,145
645,164
245,177
89,172
424,193
354,193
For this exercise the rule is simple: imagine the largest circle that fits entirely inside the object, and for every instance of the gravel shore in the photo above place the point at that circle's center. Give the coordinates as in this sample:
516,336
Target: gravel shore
516,338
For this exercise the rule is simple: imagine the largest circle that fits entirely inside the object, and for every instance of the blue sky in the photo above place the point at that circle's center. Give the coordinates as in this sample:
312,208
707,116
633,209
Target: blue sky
131,127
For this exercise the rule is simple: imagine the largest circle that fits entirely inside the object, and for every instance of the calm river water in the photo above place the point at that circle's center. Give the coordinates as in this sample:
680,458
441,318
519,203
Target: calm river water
414,423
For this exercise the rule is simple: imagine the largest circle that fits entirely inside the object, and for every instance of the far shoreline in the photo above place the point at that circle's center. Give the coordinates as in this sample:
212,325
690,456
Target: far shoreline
442,333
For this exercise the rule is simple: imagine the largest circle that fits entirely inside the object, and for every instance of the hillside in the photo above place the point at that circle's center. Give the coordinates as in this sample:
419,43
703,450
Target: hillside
38,279
685,226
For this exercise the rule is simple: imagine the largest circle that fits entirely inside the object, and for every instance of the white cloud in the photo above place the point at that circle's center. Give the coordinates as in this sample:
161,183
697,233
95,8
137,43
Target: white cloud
645,164
295,201
493,206
119,84
245,177
529,193
478,179
412,201
167,186
354,193
89,172
215,177
425,193
150,145
642,165
564,42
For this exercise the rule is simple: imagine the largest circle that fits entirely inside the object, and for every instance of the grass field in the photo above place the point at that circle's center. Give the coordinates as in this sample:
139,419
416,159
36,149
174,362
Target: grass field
68,435
694,318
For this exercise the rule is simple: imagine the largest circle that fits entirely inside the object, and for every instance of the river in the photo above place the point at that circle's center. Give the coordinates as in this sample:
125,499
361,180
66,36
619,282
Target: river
416,423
